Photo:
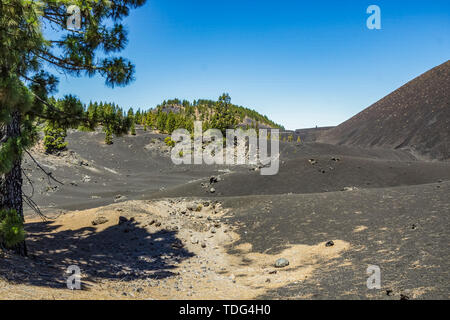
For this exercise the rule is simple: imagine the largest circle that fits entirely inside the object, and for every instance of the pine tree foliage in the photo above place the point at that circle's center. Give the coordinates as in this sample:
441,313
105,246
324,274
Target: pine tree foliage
25,53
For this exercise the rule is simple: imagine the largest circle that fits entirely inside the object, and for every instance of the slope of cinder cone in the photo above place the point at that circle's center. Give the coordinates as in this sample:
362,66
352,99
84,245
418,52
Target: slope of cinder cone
415,117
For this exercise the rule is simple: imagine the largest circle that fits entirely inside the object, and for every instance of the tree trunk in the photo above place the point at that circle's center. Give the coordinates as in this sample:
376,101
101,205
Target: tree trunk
11,182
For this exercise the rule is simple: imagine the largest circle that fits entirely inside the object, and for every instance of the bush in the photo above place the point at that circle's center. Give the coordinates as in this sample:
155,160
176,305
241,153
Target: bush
133,129
11,228
54,139
108,136
169,142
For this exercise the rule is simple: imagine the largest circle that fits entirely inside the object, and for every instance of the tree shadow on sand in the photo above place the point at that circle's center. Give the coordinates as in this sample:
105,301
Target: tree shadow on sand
123,252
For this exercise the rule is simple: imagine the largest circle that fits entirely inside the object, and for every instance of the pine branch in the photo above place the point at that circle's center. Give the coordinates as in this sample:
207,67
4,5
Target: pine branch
48,174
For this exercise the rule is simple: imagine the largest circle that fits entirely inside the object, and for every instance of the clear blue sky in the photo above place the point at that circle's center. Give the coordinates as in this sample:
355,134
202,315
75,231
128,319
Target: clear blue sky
302,63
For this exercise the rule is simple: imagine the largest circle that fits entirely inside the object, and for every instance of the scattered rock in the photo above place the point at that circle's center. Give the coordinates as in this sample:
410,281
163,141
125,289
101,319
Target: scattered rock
84,163
212,190
349,189
99,220
119,198
329,243
213,180
312,161
281,263
389,292
404,297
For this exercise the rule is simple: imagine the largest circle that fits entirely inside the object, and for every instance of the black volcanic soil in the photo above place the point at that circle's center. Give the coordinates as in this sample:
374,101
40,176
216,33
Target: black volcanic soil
415,117
140,227
379,206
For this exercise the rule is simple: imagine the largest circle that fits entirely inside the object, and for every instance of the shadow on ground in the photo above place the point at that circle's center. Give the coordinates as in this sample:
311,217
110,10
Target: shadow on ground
123,252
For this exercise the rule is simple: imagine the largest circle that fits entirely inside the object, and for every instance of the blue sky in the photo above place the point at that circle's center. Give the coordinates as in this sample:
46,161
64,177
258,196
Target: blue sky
302,63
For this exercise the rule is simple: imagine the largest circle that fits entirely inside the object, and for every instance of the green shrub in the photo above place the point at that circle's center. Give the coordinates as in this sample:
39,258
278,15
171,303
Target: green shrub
133,129
11,228
54,139
169,142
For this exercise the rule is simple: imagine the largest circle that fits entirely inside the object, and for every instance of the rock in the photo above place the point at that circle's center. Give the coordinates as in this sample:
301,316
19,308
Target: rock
349,189
157,224
212,190
312,161
404,297
84,163
206,204
213,230
99,220
190,207
329,243
122,220
213,180
389,292
203,245
119,198
281,263
335,159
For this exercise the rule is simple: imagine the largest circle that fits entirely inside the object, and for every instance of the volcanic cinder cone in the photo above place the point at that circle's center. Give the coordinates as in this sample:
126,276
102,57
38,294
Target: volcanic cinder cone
415,117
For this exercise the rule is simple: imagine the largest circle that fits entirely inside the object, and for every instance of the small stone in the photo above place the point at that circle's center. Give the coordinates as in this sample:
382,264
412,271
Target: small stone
389,292
281,263
329,243
213,180
212,190
99,220
203,245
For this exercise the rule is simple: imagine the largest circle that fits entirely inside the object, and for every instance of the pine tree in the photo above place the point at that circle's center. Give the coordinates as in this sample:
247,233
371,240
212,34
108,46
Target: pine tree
25,86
